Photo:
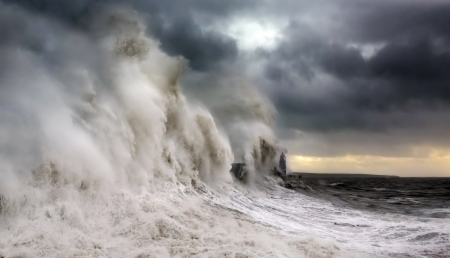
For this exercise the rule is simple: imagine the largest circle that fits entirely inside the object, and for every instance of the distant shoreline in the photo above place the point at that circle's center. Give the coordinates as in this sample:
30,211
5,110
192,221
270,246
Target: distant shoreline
343,175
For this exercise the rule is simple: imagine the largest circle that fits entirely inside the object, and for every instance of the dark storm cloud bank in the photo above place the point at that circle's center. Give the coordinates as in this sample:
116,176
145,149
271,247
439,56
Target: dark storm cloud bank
323,82
322,77
177,24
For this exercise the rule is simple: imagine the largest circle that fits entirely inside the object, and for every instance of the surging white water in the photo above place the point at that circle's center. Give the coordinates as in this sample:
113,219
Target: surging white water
102,156
377,234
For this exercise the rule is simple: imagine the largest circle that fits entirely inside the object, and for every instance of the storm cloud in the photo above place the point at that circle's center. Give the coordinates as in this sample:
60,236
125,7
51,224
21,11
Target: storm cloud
339,72
177,24
380,59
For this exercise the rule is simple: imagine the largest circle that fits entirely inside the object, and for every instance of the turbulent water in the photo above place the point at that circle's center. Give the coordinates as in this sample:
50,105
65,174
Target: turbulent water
102,156
424,197
398,217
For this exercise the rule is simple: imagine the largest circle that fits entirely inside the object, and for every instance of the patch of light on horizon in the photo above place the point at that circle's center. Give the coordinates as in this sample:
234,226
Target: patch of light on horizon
434,164
253,34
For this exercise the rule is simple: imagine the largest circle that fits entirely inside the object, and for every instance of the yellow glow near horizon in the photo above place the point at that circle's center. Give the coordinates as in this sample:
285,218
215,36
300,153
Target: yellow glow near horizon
437,163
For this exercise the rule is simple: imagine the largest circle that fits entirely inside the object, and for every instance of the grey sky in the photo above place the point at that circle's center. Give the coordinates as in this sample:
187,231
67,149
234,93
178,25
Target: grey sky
357,76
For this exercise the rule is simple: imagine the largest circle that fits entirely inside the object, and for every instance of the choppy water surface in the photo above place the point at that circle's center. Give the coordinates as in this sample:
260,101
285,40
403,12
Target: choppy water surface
381,232
102,155
426,197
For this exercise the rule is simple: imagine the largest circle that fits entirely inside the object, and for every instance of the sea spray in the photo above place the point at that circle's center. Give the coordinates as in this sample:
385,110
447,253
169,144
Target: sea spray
118,159
245,115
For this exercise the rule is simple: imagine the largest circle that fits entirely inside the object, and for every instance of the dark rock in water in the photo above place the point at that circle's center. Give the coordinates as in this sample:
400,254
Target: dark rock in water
239,171
295,184
291,180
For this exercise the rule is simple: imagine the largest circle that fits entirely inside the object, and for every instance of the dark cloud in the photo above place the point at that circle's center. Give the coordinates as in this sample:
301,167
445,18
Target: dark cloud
176,24
371,21
416,60
340,61
344,67
181,36
324,82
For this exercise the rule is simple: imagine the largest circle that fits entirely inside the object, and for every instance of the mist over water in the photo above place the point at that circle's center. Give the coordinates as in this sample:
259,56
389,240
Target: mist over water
102,155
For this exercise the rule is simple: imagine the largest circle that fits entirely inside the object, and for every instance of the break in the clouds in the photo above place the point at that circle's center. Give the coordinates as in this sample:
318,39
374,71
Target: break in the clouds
347,77
376,69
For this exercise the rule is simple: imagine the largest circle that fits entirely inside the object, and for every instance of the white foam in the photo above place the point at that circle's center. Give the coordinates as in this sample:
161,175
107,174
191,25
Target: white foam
120,160
119,154
374,233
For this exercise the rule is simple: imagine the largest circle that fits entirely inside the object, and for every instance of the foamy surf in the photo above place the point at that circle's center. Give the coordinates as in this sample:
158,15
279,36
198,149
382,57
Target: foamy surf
174,222
358,231
102,155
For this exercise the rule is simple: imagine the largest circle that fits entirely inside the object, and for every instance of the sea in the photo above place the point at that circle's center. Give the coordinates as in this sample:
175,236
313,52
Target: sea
103,155
421,197
372,217
422,204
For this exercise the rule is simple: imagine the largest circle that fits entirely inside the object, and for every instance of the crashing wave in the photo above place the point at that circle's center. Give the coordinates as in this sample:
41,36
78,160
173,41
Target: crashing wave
104,156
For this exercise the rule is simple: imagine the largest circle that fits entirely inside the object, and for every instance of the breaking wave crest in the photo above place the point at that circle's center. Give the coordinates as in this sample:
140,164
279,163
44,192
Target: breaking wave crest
124,121
102,155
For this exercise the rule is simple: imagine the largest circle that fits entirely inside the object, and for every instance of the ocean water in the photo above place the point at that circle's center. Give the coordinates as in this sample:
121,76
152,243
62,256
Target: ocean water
102,155
387,217
421,197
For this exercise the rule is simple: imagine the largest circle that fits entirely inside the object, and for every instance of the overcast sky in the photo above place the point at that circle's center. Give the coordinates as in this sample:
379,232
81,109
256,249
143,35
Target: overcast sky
359,85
